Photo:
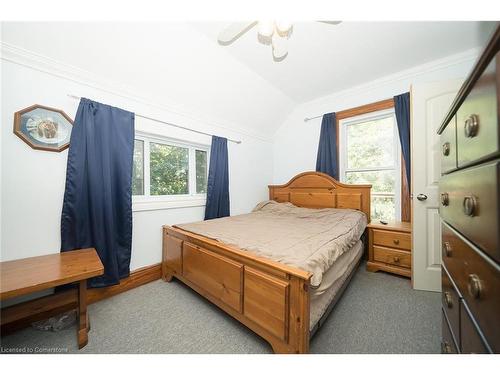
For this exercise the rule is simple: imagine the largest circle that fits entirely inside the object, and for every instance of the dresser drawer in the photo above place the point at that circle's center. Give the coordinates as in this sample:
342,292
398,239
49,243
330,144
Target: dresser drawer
470,203
449,147
395,257
397,240
451,303
470,339
478,281
477,120
220,277
448,345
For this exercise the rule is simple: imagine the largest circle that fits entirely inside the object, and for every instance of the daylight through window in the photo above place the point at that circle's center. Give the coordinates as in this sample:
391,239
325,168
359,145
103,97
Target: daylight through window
166,169
370,154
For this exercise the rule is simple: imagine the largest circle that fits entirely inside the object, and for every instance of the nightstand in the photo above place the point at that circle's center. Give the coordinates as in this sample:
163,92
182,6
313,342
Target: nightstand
389,248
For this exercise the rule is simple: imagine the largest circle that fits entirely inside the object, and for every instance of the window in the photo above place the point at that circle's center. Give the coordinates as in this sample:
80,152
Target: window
369,153
168,171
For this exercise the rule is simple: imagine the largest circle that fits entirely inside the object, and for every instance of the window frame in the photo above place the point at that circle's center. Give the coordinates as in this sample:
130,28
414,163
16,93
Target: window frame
397,167
147,202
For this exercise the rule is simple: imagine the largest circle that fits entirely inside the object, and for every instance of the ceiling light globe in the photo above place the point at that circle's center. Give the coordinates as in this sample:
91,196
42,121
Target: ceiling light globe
266,28
283,26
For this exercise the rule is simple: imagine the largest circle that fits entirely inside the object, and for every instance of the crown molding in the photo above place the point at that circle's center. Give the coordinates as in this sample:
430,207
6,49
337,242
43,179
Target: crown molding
48,65
407,74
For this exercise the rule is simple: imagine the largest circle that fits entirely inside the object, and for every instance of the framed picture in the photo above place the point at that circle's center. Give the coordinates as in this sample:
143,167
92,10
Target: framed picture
43,128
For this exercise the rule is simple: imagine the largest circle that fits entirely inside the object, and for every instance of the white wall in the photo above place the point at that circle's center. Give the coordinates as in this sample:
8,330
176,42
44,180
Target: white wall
169,63
33,181
296,141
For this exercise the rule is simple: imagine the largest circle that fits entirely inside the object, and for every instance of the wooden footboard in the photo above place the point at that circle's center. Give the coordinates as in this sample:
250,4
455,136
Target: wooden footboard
270,298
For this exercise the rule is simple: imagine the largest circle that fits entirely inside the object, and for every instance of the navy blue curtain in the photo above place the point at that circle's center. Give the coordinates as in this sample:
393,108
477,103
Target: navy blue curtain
97,207
326,160
218,180
402,109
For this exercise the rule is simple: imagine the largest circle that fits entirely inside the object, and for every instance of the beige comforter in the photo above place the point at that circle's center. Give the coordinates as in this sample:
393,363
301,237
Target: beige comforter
310,239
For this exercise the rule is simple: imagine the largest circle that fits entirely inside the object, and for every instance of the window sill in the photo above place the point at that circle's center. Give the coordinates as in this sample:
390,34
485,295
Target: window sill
152,205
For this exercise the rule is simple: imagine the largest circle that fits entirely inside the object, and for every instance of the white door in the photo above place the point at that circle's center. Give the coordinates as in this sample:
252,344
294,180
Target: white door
429,104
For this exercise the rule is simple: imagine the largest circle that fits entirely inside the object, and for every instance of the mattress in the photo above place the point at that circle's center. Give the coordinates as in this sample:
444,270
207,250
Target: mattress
333,280
309,239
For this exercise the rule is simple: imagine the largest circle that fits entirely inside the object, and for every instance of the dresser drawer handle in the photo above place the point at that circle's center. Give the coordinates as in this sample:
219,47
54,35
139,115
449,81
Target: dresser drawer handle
470,205
445,200
396,259
445,348
475,286
446,148
448,300
447,249
471,126
396,241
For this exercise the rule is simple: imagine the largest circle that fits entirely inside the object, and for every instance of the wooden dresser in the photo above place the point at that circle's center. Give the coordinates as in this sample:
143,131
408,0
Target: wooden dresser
469,208
389,248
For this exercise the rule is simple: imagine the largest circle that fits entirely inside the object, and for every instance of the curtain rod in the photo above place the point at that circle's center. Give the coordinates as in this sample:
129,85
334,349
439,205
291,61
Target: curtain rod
167,123
312,118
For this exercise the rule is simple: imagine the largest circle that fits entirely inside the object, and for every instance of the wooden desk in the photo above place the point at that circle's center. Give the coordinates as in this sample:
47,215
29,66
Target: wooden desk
28,275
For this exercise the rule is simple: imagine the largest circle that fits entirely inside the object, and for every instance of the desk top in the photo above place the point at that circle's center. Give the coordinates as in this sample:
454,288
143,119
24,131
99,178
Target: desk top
23,276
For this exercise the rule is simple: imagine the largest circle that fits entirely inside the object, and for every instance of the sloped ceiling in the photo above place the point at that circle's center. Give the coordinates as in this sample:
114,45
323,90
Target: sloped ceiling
181,64
171,62
325,58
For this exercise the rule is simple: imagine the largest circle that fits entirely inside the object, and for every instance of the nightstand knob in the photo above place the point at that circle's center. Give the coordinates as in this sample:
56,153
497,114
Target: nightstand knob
396,241
396,259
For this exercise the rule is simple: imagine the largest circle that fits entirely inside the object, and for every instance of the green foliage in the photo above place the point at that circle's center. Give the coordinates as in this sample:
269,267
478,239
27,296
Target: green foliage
382,181
168,169
138,168
370,144
201,172
383,208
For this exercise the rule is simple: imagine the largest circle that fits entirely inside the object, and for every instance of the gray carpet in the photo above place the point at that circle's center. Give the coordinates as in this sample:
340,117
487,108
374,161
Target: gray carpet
378,313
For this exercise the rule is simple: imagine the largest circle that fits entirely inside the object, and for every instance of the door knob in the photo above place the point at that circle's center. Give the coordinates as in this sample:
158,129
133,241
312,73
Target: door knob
421,197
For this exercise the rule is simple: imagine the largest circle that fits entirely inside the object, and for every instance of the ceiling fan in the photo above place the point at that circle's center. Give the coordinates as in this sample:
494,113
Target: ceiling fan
274,33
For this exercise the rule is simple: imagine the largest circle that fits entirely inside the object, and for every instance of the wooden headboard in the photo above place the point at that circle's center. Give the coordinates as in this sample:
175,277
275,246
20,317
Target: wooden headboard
319,190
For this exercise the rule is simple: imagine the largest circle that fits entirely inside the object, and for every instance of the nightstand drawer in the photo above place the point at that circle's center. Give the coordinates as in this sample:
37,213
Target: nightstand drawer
396,240
394,257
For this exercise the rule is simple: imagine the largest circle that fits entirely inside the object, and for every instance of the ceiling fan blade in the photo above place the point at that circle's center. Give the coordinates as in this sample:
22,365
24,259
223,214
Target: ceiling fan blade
234,31
330,22
280,47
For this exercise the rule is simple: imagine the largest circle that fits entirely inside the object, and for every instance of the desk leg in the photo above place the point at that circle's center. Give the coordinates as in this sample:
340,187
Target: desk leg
82,315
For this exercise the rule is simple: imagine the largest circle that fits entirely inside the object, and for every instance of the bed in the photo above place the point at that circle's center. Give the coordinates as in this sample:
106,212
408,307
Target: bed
280,269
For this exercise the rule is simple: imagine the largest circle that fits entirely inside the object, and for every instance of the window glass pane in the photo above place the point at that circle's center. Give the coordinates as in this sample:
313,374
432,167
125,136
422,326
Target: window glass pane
370,143
381,181
138,168
201,172
169,169
383,208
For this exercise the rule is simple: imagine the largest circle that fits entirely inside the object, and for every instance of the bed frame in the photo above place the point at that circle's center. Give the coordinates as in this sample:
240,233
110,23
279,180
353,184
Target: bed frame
270,298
